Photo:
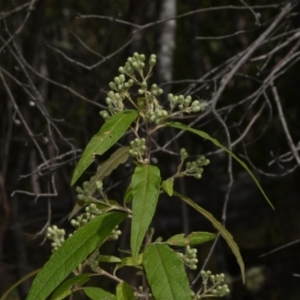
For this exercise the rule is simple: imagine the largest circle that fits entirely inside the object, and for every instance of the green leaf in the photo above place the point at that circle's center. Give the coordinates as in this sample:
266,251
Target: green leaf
65,288
109,259
145,191
216,142
111,131
167,186
119,157
128,262
223,231
195,238
128,195
165,273
64,294
77,207
125,292
96,293
73,251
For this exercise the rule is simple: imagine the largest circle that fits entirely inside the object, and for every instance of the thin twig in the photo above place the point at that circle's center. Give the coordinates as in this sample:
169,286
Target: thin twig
284,124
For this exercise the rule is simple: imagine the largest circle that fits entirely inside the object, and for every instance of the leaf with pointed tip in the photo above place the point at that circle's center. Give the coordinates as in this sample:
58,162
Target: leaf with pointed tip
96,293
66,287
223,231
145,190
72,252
109,259
125,292
165,273
77,207
167,186
111,131
194,238
119,157
206,136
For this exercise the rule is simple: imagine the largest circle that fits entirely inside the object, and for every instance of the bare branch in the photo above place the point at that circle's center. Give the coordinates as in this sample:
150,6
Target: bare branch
15,10
284,124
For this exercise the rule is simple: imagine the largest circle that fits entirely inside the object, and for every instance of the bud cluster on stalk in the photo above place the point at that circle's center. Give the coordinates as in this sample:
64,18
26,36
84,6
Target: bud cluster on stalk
134,73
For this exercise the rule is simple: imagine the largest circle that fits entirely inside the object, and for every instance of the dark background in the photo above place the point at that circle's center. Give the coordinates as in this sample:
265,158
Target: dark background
55,68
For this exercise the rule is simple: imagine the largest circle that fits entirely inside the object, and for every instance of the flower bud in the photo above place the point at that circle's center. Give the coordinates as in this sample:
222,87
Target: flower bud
152,62
112,85
135,65
170,97
196,109
122,77
81,197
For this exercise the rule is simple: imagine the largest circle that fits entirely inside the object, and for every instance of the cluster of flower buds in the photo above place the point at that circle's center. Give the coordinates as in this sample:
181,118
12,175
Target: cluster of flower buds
138,147
83,193
136,63
99,186
114,101
218,288
194,168
91,211
155,90
115,97
185,104
190,257
57,235
120,85
115,234
157,115
183,154
93,261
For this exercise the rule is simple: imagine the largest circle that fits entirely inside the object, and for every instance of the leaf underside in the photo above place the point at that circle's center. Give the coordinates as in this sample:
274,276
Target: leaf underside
119,157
